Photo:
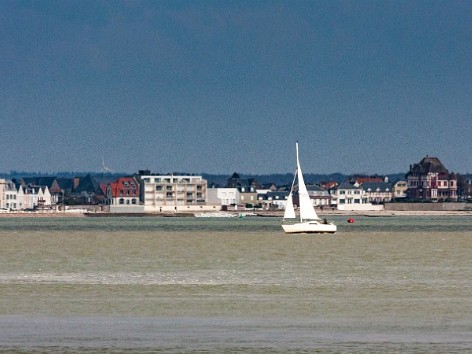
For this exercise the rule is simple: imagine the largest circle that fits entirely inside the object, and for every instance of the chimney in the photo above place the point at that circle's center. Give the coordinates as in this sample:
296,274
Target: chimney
76,182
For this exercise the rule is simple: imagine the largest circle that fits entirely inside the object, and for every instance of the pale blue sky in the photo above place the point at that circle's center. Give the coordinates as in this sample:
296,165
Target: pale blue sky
224,86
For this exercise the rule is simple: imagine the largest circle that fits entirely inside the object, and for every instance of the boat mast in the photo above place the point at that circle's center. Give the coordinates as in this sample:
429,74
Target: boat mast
298,172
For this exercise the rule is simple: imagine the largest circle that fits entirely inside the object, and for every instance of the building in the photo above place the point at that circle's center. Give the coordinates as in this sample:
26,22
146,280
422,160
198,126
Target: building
223,196
124,192
350,196
29,197
399,189
348,193
247,188
273,200
77,190
429,180
8,195
320,197
378,192
172,192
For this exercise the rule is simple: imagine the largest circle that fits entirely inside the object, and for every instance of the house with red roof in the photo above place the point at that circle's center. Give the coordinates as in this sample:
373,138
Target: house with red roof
123,192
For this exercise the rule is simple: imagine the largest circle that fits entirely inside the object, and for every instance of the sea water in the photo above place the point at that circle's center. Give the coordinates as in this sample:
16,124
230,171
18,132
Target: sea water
383,284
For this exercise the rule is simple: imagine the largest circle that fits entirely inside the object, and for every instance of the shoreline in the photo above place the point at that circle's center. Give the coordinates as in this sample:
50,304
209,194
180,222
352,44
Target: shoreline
264,213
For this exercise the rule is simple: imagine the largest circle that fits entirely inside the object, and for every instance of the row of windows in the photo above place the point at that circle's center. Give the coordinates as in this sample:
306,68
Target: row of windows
356,191
122,193
172,187
171,180
122,201
352,201
189,195
425,183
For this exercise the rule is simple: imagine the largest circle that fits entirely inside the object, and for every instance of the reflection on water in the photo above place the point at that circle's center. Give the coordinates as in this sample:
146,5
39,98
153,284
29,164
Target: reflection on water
191,284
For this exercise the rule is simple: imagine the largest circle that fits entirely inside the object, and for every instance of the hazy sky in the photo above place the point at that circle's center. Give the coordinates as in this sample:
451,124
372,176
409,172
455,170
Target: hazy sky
223,86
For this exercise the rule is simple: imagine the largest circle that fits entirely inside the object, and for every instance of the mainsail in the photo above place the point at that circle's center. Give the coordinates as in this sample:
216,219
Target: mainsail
307,211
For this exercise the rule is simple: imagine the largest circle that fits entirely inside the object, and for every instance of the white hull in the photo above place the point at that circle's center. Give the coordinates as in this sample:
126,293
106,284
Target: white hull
309,227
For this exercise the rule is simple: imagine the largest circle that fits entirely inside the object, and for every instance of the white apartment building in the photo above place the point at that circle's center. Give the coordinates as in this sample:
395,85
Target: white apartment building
8,195
23,198
223,196
172,192
352,197
31,197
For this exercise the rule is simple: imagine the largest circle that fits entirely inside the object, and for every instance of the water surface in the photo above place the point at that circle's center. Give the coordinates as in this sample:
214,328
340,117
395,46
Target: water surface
396,284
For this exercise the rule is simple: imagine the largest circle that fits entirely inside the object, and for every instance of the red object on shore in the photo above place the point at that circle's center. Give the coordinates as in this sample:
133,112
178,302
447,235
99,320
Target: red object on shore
350,221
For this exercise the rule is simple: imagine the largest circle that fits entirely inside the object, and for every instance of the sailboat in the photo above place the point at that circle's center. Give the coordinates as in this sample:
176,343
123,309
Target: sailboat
308,221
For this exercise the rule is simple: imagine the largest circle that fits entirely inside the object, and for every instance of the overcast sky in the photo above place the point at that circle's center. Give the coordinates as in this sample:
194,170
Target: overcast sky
225,86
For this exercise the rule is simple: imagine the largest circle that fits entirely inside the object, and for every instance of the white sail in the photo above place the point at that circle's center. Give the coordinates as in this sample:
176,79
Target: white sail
289,209
307,211
309,221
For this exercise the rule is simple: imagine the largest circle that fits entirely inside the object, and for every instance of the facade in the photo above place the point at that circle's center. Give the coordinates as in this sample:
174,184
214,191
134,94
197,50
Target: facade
125,191
23,198
400,189
378,192
33,197
223,196
319,196
247,188
273,200
348,193
429,180
352,197
172,192
43,182
8,195
43,199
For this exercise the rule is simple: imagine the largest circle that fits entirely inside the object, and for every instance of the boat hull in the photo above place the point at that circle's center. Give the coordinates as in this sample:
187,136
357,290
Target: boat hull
309,227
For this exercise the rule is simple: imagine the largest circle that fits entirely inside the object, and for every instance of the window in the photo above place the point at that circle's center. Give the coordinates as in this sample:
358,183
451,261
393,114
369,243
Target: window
122,201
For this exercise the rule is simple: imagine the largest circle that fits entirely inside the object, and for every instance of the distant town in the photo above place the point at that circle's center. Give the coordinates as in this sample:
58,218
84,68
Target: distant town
426,182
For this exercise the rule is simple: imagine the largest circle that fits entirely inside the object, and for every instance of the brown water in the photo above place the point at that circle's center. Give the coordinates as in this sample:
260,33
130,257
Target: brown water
396,284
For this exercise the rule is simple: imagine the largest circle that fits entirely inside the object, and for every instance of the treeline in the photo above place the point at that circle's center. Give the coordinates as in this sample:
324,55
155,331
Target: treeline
281,179
216,180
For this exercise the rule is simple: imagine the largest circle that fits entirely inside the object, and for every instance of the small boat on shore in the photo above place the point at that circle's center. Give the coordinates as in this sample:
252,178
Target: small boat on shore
308,221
